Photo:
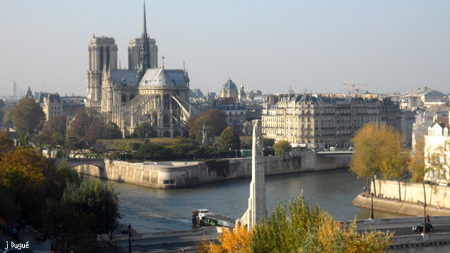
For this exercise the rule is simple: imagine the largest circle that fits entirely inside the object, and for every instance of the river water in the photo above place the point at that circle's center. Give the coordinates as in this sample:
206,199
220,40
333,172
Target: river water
151,210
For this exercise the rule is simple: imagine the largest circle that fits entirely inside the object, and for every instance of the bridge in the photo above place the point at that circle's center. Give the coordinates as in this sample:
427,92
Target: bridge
89,166
334,153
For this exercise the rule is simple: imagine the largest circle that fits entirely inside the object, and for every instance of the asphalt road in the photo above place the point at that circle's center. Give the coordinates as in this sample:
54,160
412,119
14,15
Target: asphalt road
402,229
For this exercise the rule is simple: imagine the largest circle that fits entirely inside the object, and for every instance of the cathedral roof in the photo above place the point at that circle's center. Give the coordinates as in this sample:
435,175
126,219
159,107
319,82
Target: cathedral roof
123,77
159,77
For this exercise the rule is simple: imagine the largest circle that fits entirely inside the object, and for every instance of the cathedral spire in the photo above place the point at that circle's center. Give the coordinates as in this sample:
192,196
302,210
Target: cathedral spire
145,49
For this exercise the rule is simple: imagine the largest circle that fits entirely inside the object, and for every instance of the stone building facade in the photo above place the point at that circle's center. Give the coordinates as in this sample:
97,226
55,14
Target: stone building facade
324,120
437,150
143,92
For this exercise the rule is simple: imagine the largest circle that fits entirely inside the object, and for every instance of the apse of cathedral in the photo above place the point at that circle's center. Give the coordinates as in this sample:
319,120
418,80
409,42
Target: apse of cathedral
142,93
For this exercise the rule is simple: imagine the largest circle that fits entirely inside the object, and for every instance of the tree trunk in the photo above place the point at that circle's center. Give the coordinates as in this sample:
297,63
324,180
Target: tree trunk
372,193
399,191
424,209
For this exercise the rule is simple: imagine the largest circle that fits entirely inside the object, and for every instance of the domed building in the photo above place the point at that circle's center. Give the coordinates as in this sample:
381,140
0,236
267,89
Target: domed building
229,90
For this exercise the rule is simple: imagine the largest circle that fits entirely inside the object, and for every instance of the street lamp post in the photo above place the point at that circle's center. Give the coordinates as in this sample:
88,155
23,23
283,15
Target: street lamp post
129,238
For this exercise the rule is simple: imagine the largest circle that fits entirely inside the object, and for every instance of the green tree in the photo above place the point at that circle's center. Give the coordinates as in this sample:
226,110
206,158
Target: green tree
229,139
72,229
92,196
28,116
370,144
153,151
112,131
197,130
282,147
268,142
8,116
8,209
144,130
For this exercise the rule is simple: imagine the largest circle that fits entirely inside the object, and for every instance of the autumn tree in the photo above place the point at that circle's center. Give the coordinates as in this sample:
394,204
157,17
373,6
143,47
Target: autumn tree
92,196
394,164
58,124
370,144
6,143
28,116
87,126
282,147
22,172
268,142
197,130
298,227
419,169
229,139
218,120
112,131
232,240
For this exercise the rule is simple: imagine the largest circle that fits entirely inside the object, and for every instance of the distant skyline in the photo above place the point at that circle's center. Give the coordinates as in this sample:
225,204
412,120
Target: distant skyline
267,45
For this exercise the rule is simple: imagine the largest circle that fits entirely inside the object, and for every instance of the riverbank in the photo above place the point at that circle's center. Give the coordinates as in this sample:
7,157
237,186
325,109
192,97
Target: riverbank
188,174
400,207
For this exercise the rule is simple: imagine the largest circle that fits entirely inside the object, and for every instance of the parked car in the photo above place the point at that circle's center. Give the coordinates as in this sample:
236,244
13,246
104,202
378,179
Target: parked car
419,227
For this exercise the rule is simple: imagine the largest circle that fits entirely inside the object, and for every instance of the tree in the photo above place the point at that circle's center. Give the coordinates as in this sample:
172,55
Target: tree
229,139
419,169
22,172
218,122
144,130
92,196
72,229
28,116
152,151
268,142
282,147
6,144
9,209
7,116
394,164
297,227
58,124
370,144
112,131
231,240
197,130
87,126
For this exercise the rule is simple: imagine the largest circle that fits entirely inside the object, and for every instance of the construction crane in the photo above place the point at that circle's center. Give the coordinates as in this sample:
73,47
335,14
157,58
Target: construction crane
355,84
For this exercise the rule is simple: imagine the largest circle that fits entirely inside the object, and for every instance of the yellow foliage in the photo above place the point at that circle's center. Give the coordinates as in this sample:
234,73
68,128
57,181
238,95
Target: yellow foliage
231,240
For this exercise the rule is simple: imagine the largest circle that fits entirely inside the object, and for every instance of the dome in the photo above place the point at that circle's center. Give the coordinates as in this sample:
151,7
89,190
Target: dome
229,85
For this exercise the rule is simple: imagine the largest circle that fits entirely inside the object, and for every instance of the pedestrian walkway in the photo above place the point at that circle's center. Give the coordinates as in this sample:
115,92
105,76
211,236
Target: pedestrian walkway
25,236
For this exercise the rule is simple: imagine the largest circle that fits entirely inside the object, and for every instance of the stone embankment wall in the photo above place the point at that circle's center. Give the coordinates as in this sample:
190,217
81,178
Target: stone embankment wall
438,198
186,174
436,195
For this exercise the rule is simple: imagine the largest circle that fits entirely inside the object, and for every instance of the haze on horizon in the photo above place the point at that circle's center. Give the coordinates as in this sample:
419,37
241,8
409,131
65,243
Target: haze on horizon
267,45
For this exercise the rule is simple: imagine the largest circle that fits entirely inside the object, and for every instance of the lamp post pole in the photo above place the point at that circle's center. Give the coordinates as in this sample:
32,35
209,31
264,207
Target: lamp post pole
129,238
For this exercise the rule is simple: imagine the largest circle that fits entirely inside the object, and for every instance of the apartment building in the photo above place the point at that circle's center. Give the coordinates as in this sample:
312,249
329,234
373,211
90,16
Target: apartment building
324,120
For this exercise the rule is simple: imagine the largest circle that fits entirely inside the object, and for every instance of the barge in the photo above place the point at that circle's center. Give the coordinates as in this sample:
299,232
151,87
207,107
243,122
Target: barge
203,217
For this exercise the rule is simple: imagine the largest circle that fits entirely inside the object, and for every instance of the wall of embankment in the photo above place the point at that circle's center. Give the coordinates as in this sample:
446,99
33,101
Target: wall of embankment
412,196
187,174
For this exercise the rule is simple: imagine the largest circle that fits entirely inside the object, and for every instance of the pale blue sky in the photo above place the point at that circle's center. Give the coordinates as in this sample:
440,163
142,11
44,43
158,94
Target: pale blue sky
267,45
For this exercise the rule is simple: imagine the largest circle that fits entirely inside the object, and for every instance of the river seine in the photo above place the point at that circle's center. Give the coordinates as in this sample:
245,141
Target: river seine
151,210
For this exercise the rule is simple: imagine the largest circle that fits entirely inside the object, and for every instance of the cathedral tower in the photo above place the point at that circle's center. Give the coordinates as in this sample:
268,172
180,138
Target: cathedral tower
102,57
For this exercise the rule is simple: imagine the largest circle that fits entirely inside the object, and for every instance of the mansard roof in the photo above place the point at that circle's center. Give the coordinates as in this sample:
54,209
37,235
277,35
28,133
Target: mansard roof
122,77
159,77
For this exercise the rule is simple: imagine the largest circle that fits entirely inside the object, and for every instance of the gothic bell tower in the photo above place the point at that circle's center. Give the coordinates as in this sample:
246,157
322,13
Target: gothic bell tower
102,57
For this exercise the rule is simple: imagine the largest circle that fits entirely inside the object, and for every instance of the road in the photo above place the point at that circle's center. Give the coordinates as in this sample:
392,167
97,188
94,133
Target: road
401,229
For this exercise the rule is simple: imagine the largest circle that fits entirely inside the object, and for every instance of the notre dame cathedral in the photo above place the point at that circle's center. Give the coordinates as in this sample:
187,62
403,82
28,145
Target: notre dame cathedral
143,92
